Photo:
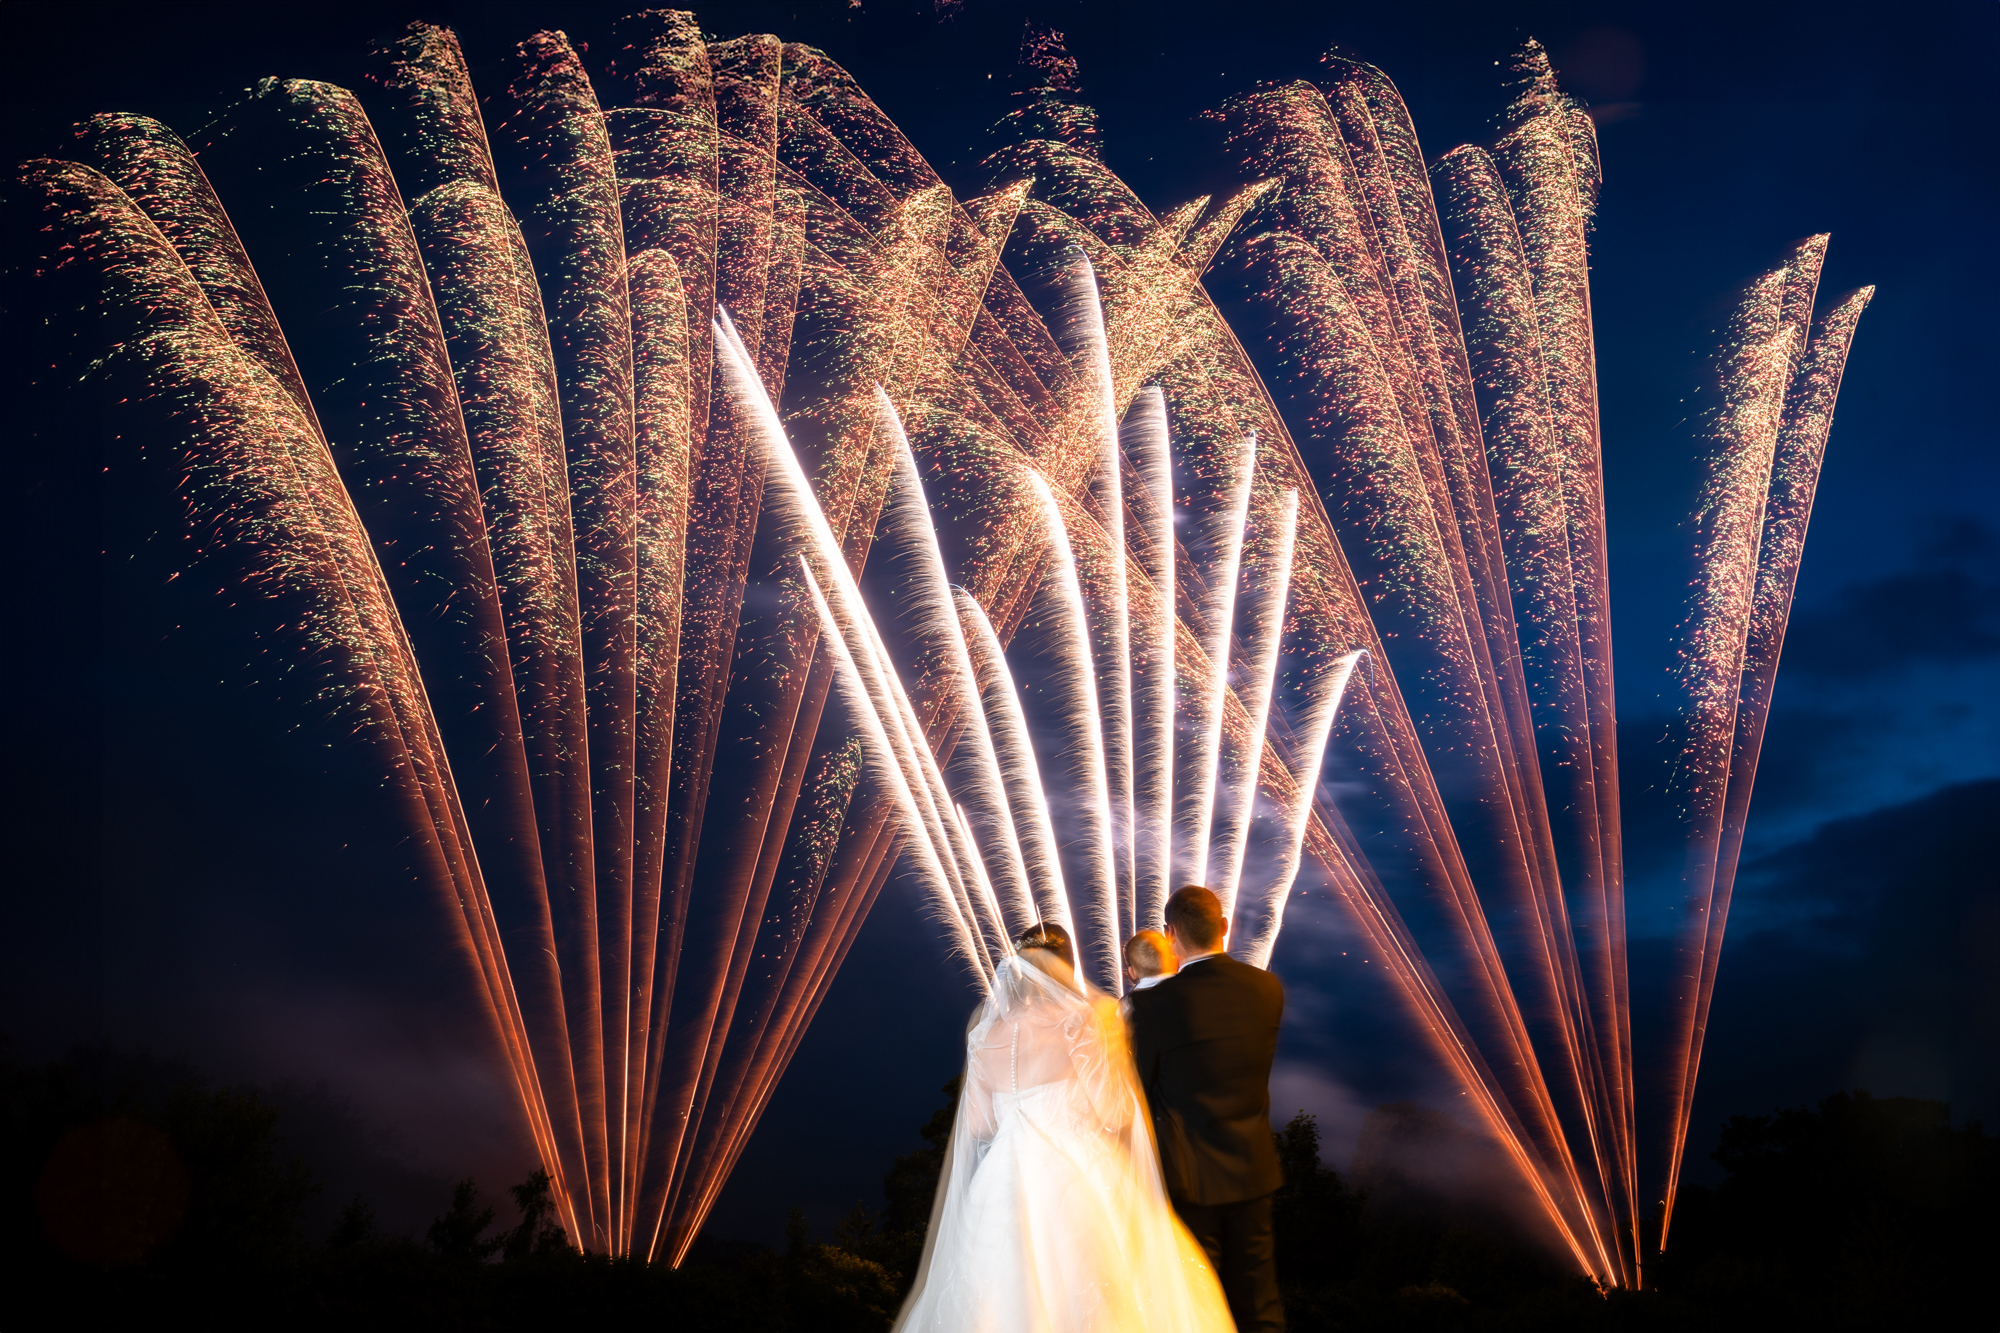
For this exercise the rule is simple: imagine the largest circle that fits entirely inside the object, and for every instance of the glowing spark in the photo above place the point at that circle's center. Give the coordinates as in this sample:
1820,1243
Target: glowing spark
1204,757
1153,695
1315,729
1226,855
507,504
1076,691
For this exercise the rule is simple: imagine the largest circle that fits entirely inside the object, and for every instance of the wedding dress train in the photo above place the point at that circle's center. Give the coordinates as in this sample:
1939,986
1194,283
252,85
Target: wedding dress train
1050,1213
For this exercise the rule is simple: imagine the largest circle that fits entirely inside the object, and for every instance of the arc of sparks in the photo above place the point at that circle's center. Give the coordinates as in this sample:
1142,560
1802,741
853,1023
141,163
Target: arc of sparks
1204,756
1315,730
512,500
1015,754
1083,724
1233,838
1147,441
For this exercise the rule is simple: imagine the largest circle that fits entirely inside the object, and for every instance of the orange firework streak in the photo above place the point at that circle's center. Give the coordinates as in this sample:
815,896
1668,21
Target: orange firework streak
1781,375
1416,494
566,190
666,155
491,306
665,403
1503,339
754,258
259,482
1548,159
514,432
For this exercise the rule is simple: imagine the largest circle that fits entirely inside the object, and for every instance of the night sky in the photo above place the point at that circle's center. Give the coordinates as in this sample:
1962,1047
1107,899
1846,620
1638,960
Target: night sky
195,873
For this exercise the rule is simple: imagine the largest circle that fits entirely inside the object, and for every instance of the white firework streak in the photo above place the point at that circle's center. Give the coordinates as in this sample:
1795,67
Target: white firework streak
1116,702
1008,727
1078,689
908,523
1233,835
1315,729
1221,613
882,755
880,685
984,885
1151,450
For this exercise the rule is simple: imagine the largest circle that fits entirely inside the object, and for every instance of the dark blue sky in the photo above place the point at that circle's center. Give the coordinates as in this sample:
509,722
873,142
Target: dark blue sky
188,879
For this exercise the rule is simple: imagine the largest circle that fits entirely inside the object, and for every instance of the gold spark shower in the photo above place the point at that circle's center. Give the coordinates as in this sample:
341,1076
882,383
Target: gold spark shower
636,416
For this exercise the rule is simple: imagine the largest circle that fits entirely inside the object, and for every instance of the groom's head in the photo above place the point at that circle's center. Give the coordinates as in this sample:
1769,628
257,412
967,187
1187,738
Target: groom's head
1194,921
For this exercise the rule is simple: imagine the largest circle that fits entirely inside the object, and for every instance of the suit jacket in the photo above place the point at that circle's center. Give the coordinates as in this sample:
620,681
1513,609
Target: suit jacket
1204,1040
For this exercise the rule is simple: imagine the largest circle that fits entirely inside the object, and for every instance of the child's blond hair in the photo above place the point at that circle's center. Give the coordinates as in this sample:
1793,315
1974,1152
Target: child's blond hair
1149,954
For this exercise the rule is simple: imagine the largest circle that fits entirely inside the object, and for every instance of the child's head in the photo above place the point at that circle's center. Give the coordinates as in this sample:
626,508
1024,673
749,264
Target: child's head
1148,954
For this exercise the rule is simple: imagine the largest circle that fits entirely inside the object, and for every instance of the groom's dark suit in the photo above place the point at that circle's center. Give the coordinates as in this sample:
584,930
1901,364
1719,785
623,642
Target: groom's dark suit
1204,1039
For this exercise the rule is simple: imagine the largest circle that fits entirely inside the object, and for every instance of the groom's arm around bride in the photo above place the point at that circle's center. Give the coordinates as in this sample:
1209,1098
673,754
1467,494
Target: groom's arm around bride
1204,1040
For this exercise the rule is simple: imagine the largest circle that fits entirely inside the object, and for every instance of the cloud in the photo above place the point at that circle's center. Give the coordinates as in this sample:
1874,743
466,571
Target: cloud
1297,1086
1884,694
1860,956
1946,609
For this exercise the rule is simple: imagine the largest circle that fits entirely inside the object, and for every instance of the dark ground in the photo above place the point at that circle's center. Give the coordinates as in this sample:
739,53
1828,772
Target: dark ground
140,1196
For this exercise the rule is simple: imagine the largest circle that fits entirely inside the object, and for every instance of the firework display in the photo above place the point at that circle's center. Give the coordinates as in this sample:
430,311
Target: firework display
634,418
1781,372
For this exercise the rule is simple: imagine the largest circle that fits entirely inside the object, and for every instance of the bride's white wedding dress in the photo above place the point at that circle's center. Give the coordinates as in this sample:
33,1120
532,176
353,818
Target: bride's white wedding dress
1050,1212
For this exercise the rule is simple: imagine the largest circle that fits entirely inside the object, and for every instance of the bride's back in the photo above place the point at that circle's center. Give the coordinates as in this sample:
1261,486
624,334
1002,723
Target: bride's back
1036,1034
1050,1213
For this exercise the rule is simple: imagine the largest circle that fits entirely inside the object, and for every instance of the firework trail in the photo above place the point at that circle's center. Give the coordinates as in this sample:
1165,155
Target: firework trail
1015,755
1780,376
1261,670
907,524
262,492
1203,757
1083,727
1146,441
1353,285
600,396
1263,922
1081,317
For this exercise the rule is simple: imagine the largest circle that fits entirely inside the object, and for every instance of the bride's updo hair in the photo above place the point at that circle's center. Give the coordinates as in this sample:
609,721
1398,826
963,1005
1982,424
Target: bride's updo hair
1047,936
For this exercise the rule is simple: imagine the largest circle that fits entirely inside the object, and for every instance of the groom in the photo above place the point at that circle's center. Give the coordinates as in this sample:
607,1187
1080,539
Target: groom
1204,1039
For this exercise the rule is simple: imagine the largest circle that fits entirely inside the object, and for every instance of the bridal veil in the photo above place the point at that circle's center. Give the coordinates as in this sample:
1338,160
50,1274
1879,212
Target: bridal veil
1050,1212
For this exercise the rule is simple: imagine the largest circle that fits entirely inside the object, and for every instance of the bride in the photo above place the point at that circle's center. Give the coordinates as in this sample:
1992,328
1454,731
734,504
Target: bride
1050,1213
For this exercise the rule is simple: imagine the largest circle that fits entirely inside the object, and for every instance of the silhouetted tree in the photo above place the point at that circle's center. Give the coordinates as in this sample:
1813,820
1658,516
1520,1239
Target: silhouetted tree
539,1233
833,1288
1316,1218
460,1233
355,1225
894,1239
1868,1212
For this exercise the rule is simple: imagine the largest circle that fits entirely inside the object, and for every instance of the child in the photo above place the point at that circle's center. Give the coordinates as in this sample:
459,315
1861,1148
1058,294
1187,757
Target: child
1149,959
